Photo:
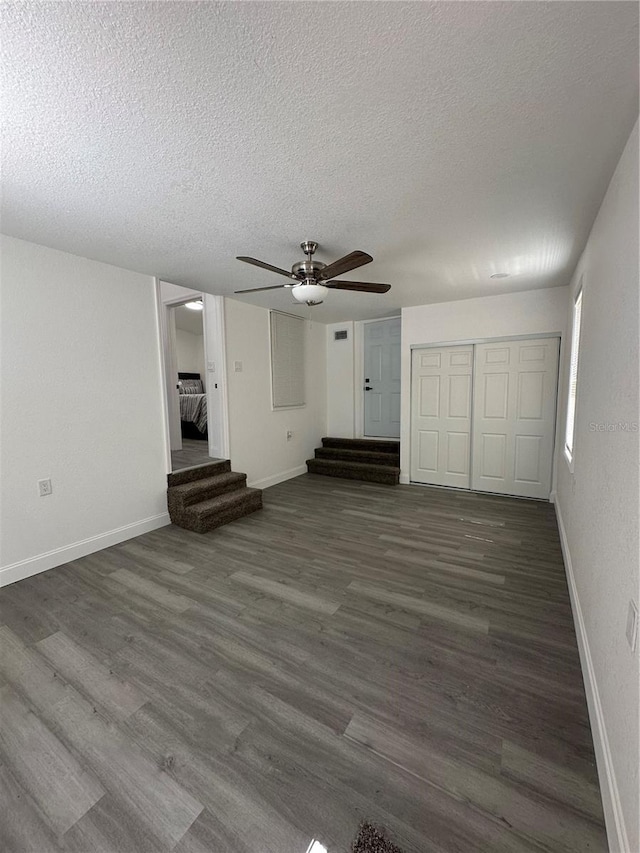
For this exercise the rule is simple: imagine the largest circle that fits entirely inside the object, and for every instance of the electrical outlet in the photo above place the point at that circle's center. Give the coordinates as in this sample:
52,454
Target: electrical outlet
237,366
44,488
289,435
632,625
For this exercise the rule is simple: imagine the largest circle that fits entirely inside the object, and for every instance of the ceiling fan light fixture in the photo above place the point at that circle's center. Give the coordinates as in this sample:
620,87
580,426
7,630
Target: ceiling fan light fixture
309,293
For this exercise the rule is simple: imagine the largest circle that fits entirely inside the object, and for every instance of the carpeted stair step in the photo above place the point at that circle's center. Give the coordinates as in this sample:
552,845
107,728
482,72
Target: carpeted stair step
375,457
180,497
206,515
355,470
198,472
374,445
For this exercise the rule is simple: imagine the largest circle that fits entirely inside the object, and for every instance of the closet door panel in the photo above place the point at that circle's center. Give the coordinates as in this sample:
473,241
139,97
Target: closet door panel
514,413
441,383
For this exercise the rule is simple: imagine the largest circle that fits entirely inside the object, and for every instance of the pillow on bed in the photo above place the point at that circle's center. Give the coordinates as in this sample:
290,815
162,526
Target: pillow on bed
191,386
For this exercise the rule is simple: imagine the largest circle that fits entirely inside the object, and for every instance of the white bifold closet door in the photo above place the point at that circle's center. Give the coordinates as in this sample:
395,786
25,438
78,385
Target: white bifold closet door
483,416
514,417
441,415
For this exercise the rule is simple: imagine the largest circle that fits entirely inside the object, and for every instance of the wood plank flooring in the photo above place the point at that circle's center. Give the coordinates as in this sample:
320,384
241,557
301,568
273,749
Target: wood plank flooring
353,651
194,452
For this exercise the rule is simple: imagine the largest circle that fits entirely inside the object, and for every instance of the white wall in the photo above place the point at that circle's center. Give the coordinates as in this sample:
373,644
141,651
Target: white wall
597,504
258,442
530,312
341,382
81,404
190,354
176,293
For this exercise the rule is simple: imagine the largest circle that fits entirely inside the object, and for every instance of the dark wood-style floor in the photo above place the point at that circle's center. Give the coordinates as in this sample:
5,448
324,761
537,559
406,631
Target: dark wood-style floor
194,452
402,655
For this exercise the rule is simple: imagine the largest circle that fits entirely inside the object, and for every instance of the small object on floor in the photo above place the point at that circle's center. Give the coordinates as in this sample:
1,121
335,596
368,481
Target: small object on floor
208,496
370,839
371,460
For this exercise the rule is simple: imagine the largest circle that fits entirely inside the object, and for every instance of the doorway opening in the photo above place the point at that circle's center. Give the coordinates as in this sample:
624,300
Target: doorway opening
192,332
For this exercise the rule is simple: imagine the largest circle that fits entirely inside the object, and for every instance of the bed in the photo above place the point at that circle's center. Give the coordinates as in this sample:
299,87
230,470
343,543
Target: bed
193,406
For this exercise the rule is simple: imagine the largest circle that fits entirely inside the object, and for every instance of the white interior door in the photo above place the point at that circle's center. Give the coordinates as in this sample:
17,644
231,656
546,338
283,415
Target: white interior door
441,415
382,378
515,384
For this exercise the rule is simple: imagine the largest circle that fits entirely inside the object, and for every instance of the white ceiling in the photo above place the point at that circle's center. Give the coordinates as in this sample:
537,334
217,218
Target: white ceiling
188,320
450,140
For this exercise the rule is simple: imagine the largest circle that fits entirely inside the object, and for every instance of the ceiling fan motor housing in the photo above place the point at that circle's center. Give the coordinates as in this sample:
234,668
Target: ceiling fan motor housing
307,269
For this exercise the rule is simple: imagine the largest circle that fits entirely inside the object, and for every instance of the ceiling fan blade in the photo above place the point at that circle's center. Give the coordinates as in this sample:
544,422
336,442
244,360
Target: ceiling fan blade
256,289
363,286
266,267
349,262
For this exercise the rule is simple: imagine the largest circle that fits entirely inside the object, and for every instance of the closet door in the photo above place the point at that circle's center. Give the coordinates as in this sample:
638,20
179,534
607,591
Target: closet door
441,415
514,408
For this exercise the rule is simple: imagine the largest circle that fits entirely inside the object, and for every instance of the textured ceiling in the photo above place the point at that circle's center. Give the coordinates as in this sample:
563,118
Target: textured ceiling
450,140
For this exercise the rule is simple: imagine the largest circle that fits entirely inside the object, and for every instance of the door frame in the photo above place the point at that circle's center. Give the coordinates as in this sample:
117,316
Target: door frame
473,342
358,371
213,336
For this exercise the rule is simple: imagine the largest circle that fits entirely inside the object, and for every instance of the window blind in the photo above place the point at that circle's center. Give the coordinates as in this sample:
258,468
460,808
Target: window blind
287,360
573,375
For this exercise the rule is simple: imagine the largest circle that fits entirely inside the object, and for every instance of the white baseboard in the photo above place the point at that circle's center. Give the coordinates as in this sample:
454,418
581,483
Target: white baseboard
278,478
43,562
405,480
613,814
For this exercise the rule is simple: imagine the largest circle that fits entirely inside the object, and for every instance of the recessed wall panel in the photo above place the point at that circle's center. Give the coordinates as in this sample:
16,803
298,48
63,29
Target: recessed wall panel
528,458
431,359
493,456
429,398
395,359
495,391
457,453
460,359
528,354
459,396
530,404
498,355
374,366
395,407
428,450
375,406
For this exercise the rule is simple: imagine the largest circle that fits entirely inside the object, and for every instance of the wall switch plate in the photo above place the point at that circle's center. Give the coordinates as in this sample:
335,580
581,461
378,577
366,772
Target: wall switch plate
44,488
211,365
237,366
632,625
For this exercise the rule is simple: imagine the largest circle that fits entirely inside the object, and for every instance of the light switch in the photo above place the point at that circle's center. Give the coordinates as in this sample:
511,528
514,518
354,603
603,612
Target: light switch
237,366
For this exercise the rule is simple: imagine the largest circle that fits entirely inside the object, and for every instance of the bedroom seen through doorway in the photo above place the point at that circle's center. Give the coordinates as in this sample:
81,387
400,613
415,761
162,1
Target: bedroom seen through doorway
191,386
194,374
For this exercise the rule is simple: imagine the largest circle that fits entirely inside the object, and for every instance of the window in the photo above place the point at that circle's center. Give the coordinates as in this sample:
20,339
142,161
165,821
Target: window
573,376
287,360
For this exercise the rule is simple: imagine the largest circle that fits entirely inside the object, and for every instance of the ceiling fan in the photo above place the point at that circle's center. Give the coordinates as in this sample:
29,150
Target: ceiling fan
312,278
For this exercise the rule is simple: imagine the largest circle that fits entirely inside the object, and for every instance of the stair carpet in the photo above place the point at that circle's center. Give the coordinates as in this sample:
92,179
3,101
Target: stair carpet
372,460
210,495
